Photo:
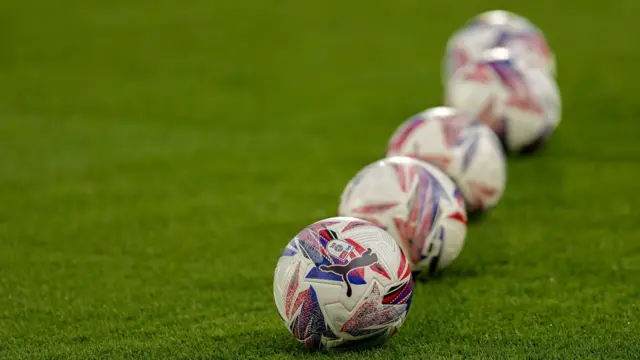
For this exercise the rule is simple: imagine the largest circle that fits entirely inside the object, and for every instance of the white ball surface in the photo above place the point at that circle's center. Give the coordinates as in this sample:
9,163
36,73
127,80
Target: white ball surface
521,105
498,28
342,282
461,146
416,203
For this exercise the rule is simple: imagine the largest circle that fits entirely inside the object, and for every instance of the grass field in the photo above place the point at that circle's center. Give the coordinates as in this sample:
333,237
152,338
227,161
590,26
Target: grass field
156,157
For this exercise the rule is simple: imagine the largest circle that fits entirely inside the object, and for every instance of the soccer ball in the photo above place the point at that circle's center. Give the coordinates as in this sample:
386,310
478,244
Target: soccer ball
342,282
522,106
461,146
498,28
416,203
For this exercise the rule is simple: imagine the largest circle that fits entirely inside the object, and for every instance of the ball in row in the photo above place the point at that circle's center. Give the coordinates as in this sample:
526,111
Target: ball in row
346,282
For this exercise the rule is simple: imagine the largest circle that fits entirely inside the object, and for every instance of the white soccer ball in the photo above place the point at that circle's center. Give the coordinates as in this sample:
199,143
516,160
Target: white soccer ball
521,105
342,282
498,28
461,146
416,203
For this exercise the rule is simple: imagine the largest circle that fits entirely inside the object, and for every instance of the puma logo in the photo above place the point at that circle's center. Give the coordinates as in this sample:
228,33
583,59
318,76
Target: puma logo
366,259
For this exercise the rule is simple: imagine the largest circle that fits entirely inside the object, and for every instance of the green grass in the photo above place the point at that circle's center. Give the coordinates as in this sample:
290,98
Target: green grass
156,157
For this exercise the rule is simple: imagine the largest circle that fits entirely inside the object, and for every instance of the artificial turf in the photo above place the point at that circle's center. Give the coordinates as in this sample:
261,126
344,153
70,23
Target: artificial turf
156,156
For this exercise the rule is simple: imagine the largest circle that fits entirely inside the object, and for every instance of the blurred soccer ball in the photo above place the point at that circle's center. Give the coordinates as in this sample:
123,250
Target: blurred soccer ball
416,203
464,148
498,28
342,282
521,105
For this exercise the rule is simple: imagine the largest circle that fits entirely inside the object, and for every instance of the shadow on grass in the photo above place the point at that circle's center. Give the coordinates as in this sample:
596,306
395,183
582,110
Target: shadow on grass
270,343
447,275
476,217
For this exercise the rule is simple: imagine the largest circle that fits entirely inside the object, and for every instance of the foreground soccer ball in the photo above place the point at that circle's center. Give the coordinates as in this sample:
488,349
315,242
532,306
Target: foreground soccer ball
522,106
498,28
416,203
461,146
342,282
